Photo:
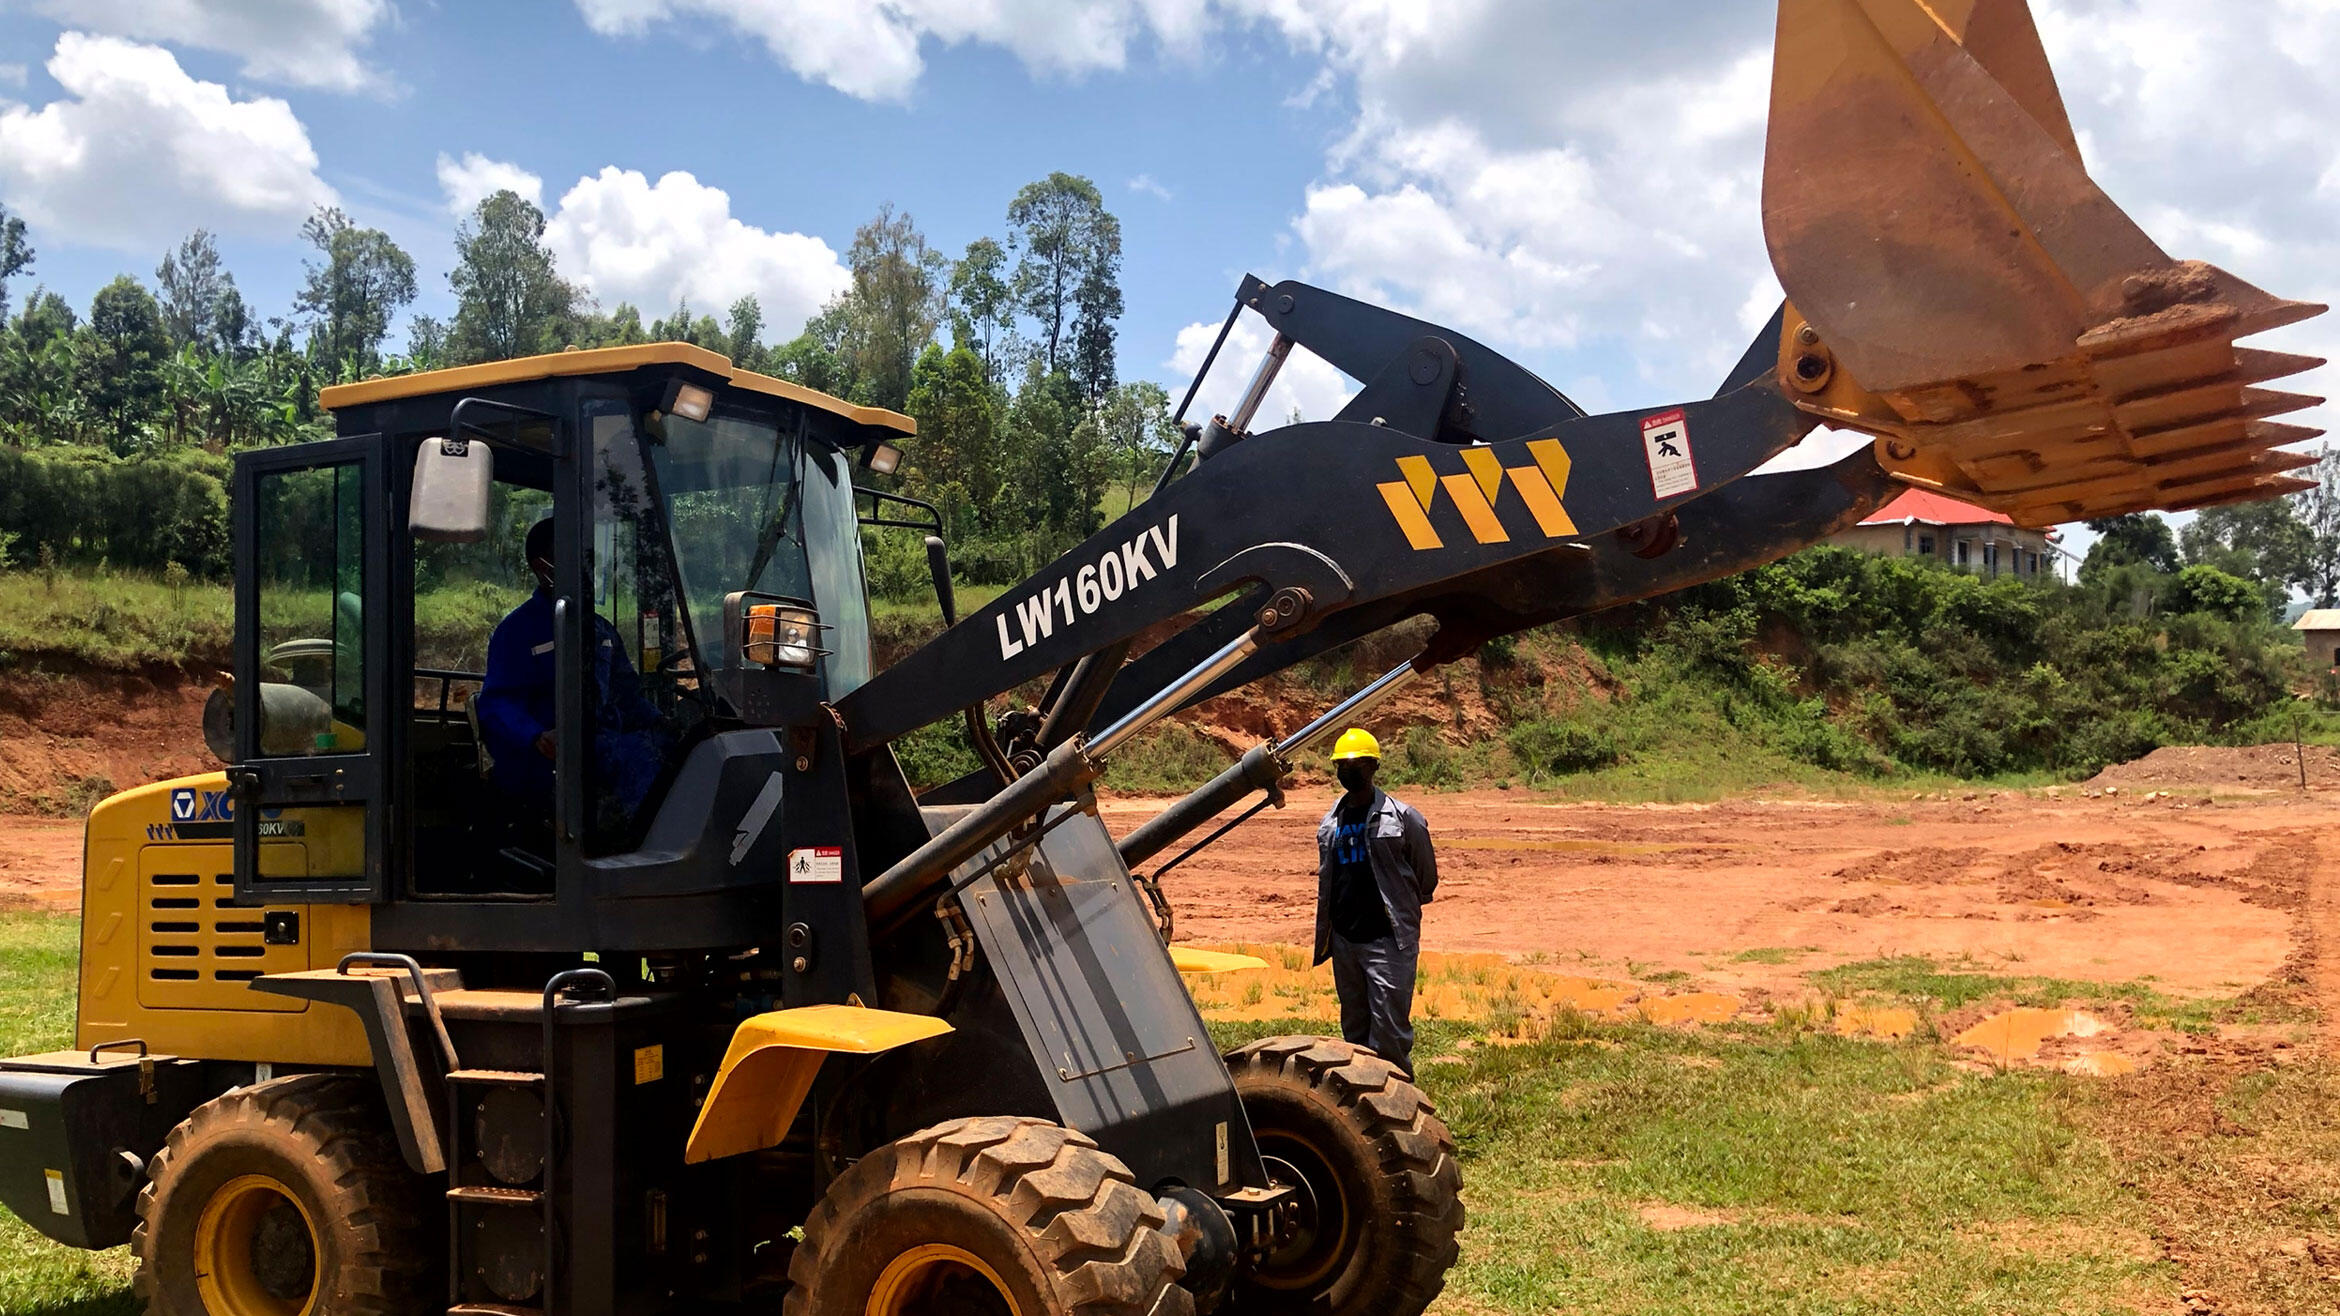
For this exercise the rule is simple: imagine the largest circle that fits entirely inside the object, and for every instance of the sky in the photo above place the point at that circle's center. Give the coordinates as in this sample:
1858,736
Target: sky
1574,182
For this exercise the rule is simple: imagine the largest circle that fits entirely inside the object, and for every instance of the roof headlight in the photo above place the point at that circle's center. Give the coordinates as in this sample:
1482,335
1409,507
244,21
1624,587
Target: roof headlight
692,402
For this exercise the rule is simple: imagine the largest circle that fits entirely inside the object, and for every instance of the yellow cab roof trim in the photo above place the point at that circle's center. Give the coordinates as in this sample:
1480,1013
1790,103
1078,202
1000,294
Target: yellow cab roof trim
606,361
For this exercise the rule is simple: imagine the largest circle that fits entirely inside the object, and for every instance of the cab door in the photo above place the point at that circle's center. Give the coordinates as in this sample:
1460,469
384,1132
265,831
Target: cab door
312,684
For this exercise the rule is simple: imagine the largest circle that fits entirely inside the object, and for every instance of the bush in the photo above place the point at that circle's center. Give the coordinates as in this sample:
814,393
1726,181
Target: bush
896,562
1854,662
1559,748
2209,590
83,506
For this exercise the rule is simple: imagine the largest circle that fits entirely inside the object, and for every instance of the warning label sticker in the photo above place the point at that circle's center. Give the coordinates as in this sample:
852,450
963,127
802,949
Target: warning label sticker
822,863
1665,438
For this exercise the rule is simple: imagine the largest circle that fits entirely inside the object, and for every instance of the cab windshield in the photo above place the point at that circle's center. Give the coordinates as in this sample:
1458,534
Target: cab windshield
744,503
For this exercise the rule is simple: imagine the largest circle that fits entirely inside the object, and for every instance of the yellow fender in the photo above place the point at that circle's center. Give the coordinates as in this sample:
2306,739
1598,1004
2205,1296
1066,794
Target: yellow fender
772,1062
1193,959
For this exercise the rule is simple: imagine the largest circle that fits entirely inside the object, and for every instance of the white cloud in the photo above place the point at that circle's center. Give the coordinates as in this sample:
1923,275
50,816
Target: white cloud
1579,182
304,43
1547,178
1307,383
138,152
475,178
1151,186
2214,127
651,244
871,48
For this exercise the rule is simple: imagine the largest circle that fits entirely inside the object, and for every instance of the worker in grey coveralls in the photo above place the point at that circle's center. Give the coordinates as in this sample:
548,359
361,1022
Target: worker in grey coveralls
1374,872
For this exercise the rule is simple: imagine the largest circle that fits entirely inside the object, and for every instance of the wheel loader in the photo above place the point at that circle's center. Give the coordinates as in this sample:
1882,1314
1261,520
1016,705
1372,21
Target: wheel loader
689,1000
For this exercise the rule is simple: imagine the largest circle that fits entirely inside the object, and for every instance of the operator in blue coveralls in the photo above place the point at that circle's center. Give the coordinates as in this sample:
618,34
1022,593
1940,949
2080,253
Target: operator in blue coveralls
1375,870
517,710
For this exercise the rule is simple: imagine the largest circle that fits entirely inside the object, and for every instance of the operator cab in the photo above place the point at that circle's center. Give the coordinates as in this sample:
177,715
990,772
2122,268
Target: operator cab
694,508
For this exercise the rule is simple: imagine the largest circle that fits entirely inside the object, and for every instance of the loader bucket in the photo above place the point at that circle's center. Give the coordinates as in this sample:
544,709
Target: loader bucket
1960,288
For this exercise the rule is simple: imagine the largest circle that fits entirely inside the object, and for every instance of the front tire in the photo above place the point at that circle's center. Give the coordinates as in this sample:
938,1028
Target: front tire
1381,1190
992,1216
286,1198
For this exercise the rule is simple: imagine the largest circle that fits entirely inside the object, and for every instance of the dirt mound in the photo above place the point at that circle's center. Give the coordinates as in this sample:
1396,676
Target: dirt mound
70,738
2250,767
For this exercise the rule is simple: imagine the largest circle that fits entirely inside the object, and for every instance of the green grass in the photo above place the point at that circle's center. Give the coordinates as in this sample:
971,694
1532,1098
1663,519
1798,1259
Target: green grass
37,955
1923,981
120,619
1770,955
1825,1175
1814,1174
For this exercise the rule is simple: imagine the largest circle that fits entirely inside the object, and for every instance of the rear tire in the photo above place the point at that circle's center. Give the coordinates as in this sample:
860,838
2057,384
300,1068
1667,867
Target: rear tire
286,1198
993,1216
1378,1174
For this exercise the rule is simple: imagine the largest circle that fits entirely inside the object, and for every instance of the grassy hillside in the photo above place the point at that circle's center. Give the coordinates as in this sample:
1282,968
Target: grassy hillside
1829,668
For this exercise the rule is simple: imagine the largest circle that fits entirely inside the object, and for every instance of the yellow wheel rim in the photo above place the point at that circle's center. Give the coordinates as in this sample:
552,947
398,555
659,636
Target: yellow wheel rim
933,1278
249,1244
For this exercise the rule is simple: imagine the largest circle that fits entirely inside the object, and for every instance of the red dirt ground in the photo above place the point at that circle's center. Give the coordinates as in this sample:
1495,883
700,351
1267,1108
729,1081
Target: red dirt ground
2198,895
2153,879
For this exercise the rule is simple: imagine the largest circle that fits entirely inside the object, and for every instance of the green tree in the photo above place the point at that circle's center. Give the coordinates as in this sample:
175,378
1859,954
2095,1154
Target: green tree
352,292
2261,541
622,327
2138,537
1067,271
16,255
1096,309
510,299
744,327
1134,419
2207,589
119,361
47,318
816,357
982,306
39,399
2320,512
893,307
956,462
426,342
1055,459
684,327
196,294
233,331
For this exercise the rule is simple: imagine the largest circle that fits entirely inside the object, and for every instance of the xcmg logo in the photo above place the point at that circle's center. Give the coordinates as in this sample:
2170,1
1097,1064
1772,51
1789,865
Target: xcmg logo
1478,494
189,805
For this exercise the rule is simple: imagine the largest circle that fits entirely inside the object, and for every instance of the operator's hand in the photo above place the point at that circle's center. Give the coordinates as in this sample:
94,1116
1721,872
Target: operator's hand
545,744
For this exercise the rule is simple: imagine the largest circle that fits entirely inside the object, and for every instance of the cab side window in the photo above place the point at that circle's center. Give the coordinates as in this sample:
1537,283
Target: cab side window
310,537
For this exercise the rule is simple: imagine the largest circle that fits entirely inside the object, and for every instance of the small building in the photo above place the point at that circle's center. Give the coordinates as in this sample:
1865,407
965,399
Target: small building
2320,627
1922,523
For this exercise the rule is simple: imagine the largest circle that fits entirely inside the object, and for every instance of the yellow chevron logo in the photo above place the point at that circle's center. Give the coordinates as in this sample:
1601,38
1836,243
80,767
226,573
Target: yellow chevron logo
1478,490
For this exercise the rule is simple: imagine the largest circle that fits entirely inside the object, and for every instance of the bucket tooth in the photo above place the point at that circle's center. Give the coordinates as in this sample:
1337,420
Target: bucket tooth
2010,332
2226,429
2279,487
2257,366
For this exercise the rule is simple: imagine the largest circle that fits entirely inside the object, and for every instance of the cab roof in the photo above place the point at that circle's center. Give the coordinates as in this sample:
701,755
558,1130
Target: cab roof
605,361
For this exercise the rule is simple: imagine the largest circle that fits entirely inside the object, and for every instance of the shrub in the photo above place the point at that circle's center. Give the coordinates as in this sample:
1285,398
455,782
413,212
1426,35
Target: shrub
1559,748
2209,590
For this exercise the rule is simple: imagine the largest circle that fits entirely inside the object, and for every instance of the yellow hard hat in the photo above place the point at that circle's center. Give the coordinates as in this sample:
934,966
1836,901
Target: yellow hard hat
1356,743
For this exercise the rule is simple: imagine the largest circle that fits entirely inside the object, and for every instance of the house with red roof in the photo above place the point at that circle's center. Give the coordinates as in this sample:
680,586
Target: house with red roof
1922,523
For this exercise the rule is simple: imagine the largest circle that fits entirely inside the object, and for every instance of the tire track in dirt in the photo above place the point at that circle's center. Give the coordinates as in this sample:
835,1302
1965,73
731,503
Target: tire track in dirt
2322,918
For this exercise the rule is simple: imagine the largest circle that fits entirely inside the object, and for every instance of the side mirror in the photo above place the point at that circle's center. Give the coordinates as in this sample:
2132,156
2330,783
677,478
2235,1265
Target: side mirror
452,479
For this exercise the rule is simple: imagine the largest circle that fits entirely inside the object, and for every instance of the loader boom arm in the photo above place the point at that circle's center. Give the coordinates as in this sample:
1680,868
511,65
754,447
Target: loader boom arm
1318,518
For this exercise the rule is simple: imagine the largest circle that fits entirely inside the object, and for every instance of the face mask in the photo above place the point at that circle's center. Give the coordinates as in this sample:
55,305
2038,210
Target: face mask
1356,775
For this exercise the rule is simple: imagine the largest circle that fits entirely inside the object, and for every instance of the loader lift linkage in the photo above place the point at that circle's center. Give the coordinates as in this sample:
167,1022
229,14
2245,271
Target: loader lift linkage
710,1007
